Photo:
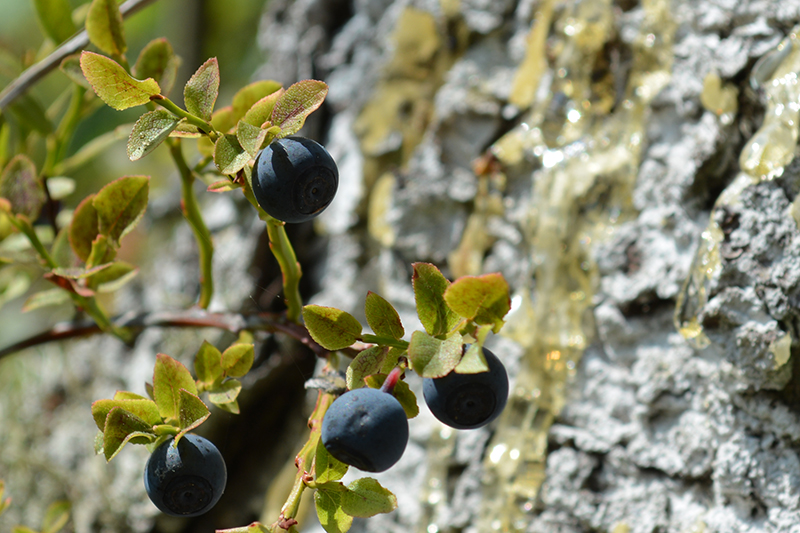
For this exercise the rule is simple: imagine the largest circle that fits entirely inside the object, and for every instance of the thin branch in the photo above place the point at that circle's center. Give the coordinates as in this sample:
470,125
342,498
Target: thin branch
192,318
51,62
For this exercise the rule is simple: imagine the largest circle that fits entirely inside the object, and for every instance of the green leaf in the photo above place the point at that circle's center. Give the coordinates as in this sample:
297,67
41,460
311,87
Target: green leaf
237,359
473,361
382,317
114,85
207,364
191,411
20,185
431,357
120,205
46,298
250,137
484,299
327,467
332,328
157,60
55,17
328,501
29,112
56,516
122,427
365,364
113,277
104,27
226,393
248,95
366,497
261,111
84,228
401,391
149,131
169,377
223,119
229,156
144,408
201,91
71,66
429,288
22,529
294,105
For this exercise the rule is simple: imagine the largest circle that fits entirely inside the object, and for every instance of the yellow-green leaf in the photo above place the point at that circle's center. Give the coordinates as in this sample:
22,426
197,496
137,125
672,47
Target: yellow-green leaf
429,287
120,205
20,185
382,317
431,357
484,299
169,377
366,497
114,85
229,156
157,60
149,131
332,328
104,27
248,95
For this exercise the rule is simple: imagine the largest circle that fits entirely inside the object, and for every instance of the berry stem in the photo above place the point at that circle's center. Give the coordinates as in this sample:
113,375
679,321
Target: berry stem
170,106
392,379
282,249
305,460
191,210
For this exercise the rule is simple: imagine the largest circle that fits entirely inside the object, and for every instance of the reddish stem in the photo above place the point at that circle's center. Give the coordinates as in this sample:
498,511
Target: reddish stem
391,379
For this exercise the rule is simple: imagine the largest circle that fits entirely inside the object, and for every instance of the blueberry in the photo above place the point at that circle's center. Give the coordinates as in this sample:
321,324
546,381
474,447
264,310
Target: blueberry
294,179
187,479
366,428
468,401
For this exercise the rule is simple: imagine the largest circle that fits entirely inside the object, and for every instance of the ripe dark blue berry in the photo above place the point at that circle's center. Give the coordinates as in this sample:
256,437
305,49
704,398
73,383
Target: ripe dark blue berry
468,401
294,179
187,479
366,428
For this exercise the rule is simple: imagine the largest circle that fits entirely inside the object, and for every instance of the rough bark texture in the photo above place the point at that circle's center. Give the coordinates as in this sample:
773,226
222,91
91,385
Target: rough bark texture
656,433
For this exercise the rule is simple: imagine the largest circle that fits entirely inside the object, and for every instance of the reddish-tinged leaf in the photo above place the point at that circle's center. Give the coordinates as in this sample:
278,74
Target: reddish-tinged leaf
21,186
223,186
169,377
114,85
294,105
113,277
120,205
332,328
157,60
226,393
68,284
202,89
84,228
104,27
71,66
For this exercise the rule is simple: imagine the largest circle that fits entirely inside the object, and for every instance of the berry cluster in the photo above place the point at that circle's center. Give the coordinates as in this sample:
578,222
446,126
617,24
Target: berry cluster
368,429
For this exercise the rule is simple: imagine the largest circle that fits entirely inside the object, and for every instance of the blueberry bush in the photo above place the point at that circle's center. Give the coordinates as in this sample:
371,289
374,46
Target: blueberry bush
253,148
